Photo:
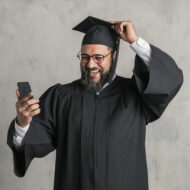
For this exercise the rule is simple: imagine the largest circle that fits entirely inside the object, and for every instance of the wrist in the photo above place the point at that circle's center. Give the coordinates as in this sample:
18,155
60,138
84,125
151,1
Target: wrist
20,124
133,39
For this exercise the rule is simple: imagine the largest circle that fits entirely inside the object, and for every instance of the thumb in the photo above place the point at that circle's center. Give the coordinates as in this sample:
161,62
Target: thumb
17,93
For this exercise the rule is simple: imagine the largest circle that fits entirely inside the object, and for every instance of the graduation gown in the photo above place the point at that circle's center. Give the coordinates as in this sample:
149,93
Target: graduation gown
100,139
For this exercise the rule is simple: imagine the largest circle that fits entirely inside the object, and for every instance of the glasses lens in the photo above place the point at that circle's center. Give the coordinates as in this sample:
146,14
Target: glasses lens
98,59
84,58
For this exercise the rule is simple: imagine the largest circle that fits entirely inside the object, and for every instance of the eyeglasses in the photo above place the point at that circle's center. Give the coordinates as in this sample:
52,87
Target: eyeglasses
98,58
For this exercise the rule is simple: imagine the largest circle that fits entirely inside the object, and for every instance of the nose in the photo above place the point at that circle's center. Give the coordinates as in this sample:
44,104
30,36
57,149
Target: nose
91,63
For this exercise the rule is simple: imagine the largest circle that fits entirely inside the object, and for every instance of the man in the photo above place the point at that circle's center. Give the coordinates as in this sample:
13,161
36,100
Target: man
97,123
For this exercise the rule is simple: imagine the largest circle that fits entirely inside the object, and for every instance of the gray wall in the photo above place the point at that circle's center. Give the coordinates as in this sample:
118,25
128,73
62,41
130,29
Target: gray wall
38,45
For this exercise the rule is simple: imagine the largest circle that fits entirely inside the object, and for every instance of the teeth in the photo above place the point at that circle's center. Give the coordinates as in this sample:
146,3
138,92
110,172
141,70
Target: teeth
94,72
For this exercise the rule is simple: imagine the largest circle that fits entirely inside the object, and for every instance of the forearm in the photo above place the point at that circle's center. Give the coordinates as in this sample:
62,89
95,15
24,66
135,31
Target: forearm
142,48
20,132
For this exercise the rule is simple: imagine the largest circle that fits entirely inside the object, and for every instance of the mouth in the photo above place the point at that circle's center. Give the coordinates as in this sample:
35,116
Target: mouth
93,73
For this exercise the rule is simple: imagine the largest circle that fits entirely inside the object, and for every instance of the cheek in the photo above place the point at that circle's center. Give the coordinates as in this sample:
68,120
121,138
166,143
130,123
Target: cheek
101,68
106,68
82,67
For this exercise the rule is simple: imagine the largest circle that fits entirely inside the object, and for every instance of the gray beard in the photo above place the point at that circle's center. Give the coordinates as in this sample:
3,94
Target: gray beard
96,87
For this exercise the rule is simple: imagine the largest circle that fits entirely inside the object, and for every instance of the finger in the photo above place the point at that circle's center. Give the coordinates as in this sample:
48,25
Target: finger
30,102
26,97
113,26
27,107
17,93
26,113
26,104
118,30
123,25
35,112
32,107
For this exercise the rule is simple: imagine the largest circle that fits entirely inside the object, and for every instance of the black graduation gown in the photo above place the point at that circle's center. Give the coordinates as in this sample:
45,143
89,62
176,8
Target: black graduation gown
100,139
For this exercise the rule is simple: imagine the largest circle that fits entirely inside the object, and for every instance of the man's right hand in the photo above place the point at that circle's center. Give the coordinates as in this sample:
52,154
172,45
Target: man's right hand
26,108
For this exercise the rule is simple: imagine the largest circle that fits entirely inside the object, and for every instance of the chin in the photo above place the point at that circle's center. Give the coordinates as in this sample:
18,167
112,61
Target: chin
94,83
96,80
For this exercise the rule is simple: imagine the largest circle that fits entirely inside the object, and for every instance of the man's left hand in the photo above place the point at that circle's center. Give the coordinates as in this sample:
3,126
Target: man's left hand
126,30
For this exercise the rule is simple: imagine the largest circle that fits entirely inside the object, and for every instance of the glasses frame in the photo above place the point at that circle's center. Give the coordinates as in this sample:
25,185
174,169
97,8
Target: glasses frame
93,56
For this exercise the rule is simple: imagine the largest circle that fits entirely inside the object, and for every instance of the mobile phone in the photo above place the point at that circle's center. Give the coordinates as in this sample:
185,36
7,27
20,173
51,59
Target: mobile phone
24,89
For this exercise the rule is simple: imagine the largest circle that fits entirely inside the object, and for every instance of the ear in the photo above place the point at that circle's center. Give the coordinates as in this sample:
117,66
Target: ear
114,55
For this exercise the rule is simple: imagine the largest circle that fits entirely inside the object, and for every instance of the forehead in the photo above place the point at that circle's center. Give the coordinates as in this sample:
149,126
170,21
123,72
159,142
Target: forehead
94,48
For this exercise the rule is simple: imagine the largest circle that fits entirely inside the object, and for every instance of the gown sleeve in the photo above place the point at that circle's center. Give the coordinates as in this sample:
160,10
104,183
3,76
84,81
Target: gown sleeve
158,85
40,137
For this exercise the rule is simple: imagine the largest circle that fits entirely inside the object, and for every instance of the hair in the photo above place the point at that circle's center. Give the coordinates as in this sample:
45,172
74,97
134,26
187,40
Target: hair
109,48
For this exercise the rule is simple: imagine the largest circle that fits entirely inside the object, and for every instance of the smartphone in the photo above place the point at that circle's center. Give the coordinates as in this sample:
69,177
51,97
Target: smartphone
24,89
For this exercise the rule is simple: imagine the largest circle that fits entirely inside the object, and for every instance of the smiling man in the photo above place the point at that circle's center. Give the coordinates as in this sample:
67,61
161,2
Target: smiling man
99,47
97,124
96,73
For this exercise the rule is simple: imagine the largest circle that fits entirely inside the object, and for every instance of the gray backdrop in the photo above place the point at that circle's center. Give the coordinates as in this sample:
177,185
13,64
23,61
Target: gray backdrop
37,44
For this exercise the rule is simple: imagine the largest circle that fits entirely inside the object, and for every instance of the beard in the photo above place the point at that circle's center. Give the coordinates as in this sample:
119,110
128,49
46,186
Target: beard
92,86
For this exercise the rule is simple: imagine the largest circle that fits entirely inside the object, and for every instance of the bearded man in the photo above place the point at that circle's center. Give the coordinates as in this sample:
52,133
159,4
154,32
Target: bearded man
97,124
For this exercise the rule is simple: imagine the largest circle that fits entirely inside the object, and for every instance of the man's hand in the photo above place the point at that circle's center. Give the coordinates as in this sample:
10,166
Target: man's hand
126,30
26,108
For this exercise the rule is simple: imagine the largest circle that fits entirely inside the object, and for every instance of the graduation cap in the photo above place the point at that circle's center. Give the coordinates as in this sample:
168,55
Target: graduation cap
98,31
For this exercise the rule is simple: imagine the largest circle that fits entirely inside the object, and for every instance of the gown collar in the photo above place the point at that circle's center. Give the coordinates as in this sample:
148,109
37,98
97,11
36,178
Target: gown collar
108,88
106,84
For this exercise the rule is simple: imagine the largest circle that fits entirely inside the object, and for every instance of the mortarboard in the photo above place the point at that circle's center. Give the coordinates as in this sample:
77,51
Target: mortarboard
98,31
